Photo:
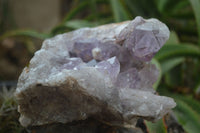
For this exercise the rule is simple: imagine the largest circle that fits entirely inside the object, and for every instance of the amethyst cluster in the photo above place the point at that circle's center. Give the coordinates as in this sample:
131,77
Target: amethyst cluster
102,72
123,60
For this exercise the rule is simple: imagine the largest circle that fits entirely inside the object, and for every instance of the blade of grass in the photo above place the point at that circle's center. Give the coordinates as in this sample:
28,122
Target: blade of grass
135,8
157,127
82,6
74,11
188,100
187,117
173,38
197,87
179,6
157,64
167,65
29,33
182,50
93,5
161,4
76,24
174,77
196,7
118,11
194,104
72,25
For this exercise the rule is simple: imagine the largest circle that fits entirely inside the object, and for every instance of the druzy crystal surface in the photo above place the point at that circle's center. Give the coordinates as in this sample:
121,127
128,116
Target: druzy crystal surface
103,73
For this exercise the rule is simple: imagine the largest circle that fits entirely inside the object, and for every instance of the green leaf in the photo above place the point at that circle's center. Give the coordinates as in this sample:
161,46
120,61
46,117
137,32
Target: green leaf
157,127
197,87
93,6
29,33
196,7
196,71
141,8
187,111
179,7
173,38
135,7
190,101
72,25
182,50
187,117
75,10
161,5
174,77
168,64
58,30
76,24
118,11
157,64
30,46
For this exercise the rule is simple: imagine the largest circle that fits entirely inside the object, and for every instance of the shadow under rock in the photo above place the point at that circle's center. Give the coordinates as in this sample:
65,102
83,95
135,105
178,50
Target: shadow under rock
83,126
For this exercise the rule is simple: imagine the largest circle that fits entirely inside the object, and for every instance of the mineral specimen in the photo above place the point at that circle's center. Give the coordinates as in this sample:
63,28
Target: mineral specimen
102,73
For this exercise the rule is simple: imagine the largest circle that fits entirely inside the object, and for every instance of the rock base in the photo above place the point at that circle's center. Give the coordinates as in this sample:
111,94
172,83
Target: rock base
85,126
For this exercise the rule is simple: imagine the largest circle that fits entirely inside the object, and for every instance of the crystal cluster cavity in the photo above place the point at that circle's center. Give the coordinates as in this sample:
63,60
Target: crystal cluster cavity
102,72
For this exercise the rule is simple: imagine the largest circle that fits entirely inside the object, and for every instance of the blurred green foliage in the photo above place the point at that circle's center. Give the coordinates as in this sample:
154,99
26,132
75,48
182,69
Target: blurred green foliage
8,113
178,60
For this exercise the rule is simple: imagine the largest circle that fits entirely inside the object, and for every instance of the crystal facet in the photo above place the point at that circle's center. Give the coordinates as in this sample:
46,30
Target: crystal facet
109,68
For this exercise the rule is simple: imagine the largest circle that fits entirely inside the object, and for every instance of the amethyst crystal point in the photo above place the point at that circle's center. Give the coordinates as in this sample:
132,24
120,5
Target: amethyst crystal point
128,79
149,71
142,79
146,38
102,73
72,63
110,68
83,49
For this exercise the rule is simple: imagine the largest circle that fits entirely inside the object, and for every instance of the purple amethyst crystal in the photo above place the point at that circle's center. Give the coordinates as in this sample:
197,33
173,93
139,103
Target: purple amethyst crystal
142,44
109,68
142,79
145,39
72,63
102,73
149,71
83,49
128,79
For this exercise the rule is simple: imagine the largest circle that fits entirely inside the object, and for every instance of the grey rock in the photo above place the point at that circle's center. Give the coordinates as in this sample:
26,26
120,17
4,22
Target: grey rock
84,74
